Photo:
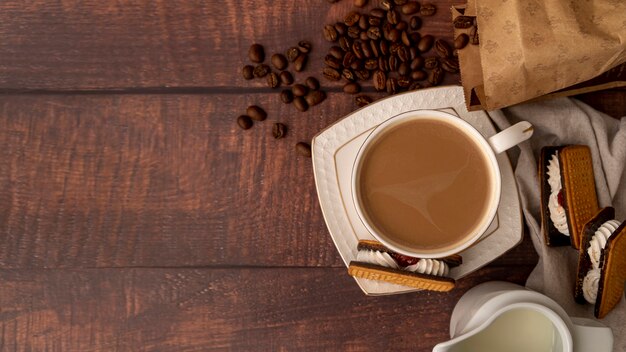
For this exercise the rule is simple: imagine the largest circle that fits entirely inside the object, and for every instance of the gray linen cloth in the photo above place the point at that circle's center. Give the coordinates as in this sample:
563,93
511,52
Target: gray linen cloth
559,122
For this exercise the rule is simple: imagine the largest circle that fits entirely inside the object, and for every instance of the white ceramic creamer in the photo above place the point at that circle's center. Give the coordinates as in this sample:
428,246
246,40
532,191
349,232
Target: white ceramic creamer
504,317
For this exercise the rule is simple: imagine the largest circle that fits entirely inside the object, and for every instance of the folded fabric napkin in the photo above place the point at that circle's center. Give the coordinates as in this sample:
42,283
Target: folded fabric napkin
560,122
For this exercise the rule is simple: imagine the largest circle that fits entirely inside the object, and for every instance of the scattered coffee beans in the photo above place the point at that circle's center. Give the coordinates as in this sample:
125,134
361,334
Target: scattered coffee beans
286,96
286,78
300,104
256,53
244,122
463,22
279,61
303,149
247,72
256,113
362,100
279,130
461,41
312,83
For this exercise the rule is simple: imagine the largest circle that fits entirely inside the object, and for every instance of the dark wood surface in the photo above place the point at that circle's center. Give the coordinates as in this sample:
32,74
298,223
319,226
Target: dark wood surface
136,216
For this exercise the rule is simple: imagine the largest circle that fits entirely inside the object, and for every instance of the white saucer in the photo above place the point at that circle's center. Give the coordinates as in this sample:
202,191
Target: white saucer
335,149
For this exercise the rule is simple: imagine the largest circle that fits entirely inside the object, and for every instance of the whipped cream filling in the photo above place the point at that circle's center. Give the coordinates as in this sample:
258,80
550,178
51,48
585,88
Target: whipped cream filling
596,246
423,266
558,215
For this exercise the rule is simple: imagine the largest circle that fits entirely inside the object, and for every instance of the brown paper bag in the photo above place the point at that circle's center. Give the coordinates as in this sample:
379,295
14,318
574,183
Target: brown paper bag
535,49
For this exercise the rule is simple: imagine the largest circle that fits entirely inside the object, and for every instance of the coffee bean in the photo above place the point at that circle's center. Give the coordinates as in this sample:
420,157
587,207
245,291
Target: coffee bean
394,47
414,86
244,122
330,33
413,52
463,22
357,64
371,64
473,36
341,28
363,36
299,90
387,28
336,52
363,74
404,81
403,69
427,9
425,43
383,64
435,76
279,61
386,5
461,41
348,59
261,70
332,61
292,54
312,83
360,3
384,48
315,97
392,16
362,100
442,48
394,35
286,96
286,78
450,65
405,38
352,18
415,38
367,49
300,104
279,130
392,86
303,149
400,2
418,75
345,44
403,54
393,63
356,49
410,7
363,22
402,25
431,62
351,88
247,72
378,13
347,74
256,113
305,46
374,21
272,80
256,53
300,62
417,63
374,48
331,74
415,23
354,32
380,80
373,33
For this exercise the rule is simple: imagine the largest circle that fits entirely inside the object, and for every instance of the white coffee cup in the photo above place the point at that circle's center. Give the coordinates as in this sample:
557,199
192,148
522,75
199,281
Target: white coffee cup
488,146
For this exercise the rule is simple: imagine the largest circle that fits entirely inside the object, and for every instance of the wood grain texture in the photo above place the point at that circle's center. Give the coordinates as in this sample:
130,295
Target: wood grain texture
286,309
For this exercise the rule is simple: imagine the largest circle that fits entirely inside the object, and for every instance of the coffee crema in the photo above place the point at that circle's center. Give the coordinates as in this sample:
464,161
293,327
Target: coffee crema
425,184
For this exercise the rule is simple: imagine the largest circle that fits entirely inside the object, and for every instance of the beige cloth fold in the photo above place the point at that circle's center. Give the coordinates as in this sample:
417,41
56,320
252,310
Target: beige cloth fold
559,122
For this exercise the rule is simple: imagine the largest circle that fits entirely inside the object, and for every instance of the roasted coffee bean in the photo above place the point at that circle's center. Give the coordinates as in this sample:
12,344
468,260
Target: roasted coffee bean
330,34
384,48
341,28
256,113
402,25
331,74
374,21
367,49
360,3
373,33
450,65
244,122
442,48
336,52
279,130
380,80
362,100
345,44
392,16
357,64
279,61
362,74
332,61
312,83
415,38
300,62
413,52
414,86
417,63
261,70
286,78
272,80
387,28
371,64
354,32
305,46
247,72
292,54
348,59
403,69
300,104
463,22
393,63
435,76
431,62
393,48
410,7
392,86
378,13
351,88
299,90
473,36
363,35
383,64
425,43
356,49
352,18
404,81
315,97
363,22
403,54
386,5
428,10
302,148
286,96
405,38
394,35
347,74
426,84
256,53
400,2
418,75
415,23
461,41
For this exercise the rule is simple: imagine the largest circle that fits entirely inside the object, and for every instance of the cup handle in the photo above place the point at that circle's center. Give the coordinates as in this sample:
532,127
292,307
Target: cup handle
511,136
589,335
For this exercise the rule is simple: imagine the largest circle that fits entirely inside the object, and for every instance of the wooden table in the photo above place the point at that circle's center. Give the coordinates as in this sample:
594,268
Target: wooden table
135,215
